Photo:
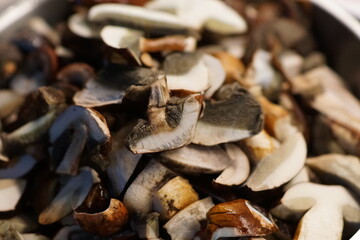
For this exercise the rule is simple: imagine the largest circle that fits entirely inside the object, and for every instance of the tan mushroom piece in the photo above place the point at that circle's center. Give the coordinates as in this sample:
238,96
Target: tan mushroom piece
216,17
70,196
287,160
11,191
174,196
324,206
196,159
138,198
170,43
9,102
171,122
237,117
337,168
238,218
105,223
185,224
150,21
239,167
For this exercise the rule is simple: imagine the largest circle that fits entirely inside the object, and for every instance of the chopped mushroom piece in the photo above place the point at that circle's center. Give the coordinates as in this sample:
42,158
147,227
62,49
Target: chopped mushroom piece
324,208
168,44
175,195
9,102
171,122
79,25
337,169
105,223
185,224
148,227
216,16
11,191
88,131
196,159
70,196
150,21
239,167
238,218
234,118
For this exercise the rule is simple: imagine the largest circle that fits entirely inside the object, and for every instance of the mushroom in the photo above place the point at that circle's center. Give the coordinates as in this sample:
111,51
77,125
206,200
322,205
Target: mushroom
324,208
138,198
238,218
18,167
239,167
185,224
8,231
216,17
233,67
170,43
70,196
287,160
227,120
88,131
76,74
171,122
337,169
79,25
11,191
10,102
124,40
114,82
174,196
196,159
105,223
148,227
9,61
150,21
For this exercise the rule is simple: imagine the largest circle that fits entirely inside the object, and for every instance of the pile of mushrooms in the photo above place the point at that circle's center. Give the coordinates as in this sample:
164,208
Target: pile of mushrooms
176,119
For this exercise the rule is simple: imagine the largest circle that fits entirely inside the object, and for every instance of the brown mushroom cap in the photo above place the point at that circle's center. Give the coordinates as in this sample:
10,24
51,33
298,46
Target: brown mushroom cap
107,222
238,218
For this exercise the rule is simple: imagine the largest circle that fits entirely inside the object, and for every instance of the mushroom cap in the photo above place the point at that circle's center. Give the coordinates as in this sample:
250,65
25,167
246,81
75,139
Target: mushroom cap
105,223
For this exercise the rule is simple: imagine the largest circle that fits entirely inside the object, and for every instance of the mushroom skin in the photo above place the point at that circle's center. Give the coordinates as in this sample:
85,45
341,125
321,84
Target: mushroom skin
236,219
105,223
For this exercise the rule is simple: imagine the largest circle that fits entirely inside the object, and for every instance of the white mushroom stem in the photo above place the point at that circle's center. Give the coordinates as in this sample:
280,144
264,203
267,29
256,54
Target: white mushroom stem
69,197
185,224
325,208
239,167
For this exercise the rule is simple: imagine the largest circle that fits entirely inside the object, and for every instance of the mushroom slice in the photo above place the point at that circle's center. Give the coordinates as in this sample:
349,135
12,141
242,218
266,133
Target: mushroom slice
70,196
114,82
138,198
216,17
238,218
88,130
10,101
239,167
228,120
216,74
185,224
337,168
79,25
150,21
18,167
168,44
11,191
324,207
171,122
196,159
174,196
105,223
148,227
125,40
187,71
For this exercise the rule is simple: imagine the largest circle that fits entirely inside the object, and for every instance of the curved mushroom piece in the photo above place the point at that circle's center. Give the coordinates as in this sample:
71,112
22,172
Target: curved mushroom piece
138,198
88,131
150,21
124,40
232,119
174,196
239,167
171,122
185,224
70,196
11,191
216,74
216,17
105,223
337,169
324,206
238,218
114,82
196,159
18,167
79,25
